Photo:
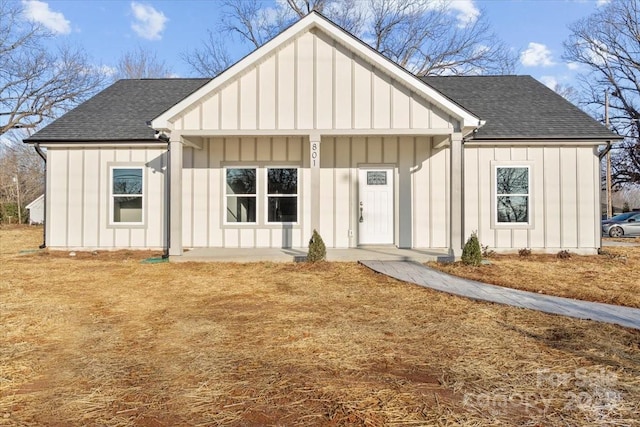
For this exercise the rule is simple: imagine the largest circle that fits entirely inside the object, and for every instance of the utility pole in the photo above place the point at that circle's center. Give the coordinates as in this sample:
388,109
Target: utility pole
15,179
608,173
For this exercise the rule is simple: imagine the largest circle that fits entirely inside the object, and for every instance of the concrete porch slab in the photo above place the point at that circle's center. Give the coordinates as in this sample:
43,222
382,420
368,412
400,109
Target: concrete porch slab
378,253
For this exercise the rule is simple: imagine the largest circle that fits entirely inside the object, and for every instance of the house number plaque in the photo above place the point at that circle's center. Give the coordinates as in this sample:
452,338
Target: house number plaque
315,154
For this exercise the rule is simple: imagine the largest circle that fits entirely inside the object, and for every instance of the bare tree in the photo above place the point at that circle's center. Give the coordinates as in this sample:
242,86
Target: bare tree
38,83
21,178
211,59
607,43
568,92
423,36
141,63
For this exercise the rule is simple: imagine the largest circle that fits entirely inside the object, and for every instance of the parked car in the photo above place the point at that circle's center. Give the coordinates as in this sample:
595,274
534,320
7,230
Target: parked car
625,224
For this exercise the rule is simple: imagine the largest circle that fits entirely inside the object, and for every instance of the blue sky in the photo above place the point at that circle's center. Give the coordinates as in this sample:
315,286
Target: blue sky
107,29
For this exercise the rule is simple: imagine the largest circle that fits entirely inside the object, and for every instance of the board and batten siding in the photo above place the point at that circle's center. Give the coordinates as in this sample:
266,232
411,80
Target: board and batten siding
421,190
312,82
78,191
564,195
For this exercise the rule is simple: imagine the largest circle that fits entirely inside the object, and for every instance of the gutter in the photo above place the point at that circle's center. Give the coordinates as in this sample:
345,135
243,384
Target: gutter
43,155
606,150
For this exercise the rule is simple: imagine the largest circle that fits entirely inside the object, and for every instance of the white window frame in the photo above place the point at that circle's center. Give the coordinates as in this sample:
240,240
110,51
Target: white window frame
113,195
267,195
226,195
495,165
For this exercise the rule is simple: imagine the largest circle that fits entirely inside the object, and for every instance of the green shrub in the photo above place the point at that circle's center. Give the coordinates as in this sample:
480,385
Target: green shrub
9,213
471,253
317,249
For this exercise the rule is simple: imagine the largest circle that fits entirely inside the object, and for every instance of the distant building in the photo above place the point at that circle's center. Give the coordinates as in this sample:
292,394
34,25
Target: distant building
36,210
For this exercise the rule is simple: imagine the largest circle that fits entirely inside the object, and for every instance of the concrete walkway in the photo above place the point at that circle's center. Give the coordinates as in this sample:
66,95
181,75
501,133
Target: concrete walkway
427,277
383,253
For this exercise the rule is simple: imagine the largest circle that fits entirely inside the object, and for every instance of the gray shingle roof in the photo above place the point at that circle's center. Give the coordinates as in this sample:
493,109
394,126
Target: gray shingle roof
120,112
514,107
518,107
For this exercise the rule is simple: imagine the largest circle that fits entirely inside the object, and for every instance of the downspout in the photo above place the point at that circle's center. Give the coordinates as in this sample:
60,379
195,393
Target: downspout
167,204
601,155
606,150
44,222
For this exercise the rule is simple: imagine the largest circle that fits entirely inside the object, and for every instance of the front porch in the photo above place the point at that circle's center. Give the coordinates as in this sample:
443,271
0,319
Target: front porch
377,253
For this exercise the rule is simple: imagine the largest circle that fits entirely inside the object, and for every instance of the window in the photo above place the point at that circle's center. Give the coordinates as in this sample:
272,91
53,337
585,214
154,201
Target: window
282,195
376,177
241,195
512,194
126,194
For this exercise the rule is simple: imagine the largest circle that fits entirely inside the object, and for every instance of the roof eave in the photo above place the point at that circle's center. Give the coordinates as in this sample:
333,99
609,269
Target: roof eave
90,141
543,140
546,137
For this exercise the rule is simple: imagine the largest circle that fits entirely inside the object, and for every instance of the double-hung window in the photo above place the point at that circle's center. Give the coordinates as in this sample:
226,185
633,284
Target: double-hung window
241,195
513,195
282,195
127,195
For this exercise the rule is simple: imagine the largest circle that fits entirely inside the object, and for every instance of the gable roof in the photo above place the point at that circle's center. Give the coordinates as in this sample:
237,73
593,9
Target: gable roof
120,112
315,20
512,107
36,201
519,107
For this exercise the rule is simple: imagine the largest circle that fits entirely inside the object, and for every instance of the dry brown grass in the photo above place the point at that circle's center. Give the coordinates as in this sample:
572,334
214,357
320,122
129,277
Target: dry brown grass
613,277
104,340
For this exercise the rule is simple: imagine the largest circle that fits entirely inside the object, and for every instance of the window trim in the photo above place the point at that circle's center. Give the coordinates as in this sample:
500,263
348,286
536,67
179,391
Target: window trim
262,198
267,195
226,195
494,195
111,195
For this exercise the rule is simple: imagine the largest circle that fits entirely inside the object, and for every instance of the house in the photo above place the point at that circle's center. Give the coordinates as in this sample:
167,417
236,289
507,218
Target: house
316,130
36,210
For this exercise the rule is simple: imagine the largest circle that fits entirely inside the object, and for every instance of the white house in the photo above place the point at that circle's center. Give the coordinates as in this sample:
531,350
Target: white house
36,210
316,130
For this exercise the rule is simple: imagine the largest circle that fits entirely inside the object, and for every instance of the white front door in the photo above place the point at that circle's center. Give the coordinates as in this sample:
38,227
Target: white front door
375,206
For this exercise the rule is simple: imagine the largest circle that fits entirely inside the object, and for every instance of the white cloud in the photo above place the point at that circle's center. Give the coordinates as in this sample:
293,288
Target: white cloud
573,66
550,81
602,2
536,55
38,11
468,13
149,22
107,70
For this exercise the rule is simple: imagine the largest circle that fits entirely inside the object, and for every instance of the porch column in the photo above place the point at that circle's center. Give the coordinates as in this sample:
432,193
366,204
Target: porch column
456,220
314,164
175,196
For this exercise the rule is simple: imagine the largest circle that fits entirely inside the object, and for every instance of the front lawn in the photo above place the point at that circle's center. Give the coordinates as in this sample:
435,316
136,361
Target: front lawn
613,277
101,339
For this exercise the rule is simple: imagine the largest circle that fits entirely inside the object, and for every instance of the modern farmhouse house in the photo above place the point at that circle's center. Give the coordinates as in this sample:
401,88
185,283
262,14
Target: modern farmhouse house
316,130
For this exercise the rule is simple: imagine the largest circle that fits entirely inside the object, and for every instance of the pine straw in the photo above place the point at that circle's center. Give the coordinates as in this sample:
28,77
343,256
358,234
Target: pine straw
111,341
613,277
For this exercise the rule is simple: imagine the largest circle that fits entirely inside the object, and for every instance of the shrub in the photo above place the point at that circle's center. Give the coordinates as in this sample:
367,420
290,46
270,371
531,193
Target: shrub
471,253
524,252
486,252
317,249
563,254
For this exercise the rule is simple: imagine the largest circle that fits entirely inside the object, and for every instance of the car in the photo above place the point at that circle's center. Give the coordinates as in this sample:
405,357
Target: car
625,224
